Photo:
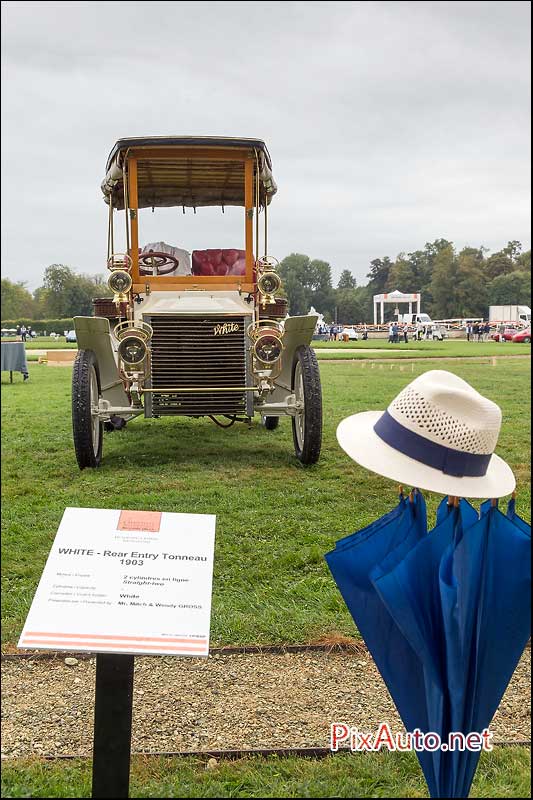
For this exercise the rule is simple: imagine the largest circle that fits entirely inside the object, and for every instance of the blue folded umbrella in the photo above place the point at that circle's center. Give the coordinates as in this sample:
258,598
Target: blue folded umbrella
351,564
519,522
445,616
410,591
491,567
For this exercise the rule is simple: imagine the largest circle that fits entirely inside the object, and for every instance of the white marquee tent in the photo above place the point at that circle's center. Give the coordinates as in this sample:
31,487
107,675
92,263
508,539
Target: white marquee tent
395,297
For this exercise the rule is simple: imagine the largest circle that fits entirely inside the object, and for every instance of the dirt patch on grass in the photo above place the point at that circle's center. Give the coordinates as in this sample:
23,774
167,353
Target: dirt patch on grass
238,701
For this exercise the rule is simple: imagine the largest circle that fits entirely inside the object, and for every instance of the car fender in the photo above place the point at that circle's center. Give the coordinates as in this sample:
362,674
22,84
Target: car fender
297,331
94,333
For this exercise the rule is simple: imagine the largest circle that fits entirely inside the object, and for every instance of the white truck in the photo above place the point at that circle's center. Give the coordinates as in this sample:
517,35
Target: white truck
415,319
511,313
424,326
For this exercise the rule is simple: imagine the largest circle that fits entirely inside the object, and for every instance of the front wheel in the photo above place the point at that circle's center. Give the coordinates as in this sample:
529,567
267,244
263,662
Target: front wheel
307,423
86,427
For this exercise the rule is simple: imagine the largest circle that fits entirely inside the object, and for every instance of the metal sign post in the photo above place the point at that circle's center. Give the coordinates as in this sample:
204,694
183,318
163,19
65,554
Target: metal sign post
113,706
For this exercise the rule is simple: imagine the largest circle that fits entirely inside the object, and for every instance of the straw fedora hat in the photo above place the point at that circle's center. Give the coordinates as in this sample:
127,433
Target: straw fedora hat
438,434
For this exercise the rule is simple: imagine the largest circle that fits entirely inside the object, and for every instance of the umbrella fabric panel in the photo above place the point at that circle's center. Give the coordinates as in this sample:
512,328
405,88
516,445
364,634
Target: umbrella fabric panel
445,616
492,565
518,521
411,592
351,563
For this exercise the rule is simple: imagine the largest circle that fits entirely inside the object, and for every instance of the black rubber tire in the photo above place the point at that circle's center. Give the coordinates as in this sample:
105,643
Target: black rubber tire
309,451
86,455
527,340
270,423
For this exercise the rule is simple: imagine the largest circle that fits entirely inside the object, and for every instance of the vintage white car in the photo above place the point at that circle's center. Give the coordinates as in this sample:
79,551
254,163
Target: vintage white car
200,334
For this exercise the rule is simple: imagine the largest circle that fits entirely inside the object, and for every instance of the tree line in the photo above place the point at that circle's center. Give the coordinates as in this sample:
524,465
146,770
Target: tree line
453,284
64,293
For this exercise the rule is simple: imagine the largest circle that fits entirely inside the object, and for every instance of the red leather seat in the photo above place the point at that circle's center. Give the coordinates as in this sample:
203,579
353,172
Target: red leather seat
218,262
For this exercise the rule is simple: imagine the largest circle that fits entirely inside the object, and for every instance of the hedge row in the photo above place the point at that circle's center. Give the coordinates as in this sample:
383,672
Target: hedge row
41,325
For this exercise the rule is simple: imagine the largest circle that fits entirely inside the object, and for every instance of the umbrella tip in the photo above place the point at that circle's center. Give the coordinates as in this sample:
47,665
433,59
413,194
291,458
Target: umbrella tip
400,490
411,496
494,502
513,495
456,501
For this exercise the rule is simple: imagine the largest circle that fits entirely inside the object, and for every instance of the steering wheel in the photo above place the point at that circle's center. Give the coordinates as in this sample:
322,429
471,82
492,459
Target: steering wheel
155,263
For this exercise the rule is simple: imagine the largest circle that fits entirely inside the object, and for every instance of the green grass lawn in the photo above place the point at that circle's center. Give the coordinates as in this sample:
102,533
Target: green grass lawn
275,521
44,343
47,343
501,773
275,518
450,348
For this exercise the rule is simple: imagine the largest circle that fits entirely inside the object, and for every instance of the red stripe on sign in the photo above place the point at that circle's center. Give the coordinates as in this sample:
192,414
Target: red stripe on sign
120,645
196,639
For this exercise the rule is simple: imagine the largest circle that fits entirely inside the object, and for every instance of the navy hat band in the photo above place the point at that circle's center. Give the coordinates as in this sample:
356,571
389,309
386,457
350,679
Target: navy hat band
438,456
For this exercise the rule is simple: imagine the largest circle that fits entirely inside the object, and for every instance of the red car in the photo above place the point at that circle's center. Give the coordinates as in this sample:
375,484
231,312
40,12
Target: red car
507,335
523,336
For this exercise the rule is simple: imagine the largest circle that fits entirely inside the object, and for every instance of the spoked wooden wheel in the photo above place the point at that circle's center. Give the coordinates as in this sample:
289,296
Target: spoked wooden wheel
307,423
87,429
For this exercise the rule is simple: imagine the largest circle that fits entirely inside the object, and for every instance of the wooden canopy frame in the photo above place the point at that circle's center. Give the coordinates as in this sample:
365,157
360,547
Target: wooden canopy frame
137,162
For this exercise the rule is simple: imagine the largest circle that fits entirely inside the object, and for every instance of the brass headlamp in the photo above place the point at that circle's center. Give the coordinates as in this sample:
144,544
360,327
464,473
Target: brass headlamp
268,282
133,343
267,344
119,281
132,350
267,348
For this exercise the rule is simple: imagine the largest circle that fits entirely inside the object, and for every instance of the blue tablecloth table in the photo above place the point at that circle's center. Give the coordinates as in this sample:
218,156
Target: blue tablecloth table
14,359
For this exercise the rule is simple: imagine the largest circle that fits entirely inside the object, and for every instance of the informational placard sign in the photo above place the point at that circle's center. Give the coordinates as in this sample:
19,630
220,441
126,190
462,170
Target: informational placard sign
134,582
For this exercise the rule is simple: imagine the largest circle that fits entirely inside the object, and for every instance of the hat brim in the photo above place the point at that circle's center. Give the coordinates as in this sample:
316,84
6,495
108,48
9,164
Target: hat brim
358,439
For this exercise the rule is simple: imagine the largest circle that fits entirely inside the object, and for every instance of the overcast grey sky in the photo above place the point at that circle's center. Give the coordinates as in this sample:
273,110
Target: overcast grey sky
389,123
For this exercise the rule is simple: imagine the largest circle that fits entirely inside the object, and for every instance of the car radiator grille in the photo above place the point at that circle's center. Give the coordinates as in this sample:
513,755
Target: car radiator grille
198,353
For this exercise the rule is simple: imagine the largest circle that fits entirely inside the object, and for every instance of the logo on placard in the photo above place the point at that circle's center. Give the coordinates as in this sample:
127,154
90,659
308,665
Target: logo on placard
139,521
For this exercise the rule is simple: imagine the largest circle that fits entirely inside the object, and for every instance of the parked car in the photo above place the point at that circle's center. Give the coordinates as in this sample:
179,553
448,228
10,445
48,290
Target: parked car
438,332
523,336
194,334
505,334
350,333
70,336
